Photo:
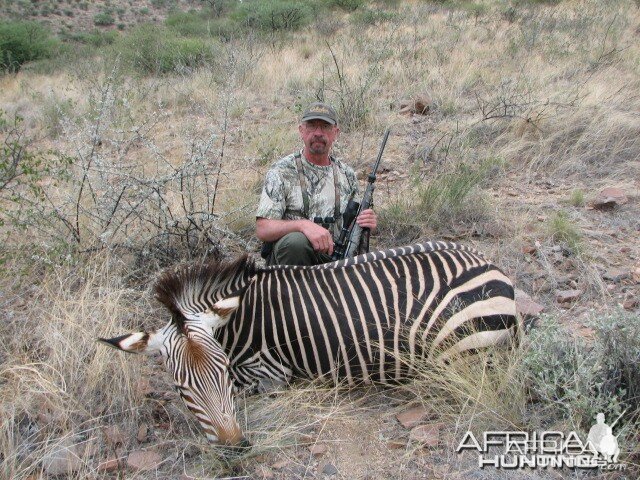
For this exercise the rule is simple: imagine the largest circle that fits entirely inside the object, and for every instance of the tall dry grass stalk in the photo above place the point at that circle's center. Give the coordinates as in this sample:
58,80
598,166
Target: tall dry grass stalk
58,387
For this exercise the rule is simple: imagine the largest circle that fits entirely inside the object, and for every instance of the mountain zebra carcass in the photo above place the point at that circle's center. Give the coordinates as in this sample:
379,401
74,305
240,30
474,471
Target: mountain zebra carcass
355,319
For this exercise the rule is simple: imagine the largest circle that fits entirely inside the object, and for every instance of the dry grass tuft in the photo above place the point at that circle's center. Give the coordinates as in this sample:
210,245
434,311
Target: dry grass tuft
59,387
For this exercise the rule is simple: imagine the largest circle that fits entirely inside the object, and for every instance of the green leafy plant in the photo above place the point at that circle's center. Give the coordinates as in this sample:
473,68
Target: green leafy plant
561,229
103,19
570,376
274,15
577,198
349,5
22,172
22,42
369,16
152,50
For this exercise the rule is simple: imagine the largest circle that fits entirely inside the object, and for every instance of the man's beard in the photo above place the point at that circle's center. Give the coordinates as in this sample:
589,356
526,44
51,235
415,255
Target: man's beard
318,147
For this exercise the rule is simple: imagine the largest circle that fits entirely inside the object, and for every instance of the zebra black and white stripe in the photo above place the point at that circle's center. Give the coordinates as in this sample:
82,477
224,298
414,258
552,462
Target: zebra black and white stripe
362,319
356,319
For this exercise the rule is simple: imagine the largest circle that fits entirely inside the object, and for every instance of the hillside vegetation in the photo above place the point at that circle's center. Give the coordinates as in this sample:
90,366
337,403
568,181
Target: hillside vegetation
135,135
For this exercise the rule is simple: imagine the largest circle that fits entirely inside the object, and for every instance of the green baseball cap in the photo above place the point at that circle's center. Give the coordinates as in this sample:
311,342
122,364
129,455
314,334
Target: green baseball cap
320,111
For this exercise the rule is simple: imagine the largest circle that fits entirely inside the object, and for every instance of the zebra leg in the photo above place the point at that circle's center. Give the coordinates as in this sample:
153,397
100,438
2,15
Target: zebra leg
254,378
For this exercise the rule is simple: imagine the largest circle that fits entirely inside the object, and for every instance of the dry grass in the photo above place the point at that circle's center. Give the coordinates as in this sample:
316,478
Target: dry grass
58,386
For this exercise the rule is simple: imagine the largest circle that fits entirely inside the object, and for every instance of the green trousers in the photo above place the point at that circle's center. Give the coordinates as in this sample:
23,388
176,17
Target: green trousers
295,249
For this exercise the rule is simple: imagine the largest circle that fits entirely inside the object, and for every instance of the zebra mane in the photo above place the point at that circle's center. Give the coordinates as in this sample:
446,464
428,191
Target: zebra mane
207,281
425,247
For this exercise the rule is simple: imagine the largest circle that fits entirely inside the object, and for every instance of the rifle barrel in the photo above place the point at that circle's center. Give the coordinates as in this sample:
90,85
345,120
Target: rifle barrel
372,177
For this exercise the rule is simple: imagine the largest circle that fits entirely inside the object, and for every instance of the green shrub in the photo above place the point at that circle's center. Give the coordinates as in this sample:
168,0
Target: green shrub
570,376
152,50
219,8
103,19
273,15
22,42
55,112
96,38
397,221
448,198
22,173
369,16
188,24
561,229
454,196
577,198
349,5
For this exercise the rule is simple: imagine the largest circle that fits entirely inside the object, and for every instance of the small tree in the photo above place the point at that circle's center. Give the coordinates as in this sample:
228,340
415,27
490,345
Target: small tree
274,15
22,42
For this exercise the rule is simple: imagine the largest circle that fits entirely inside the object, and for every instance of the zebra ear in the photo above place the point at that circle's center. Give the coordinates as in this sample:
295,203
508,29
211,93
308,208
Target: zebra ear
220,313
139,342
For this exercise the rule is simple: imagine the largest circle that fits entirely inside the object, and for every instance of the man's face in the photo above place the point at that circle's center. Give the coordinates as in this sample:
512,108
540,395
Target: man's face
318,136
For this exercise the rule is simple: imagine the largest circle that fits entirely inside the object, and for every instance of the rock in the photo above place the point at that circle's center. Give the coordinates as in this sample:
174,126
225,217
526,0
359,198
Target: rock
567,296
329,469
609,198
113,435
541,285
306,439
264,472
616,275
529,249
280,464
396,444
318,449
62,460
630,304
419,105
585,332
427,435
412,417
143,460
142,433
525,305
109,466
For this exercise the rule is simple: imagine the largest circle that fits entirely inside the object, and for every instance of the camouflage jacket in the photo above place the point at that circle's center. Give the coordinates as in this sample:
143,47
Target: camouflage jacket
282,195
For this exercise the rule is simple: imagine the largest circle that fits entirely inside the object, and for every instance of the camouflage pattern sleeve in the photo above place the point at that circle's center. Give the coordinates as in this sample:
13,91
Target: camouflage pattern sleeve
272,201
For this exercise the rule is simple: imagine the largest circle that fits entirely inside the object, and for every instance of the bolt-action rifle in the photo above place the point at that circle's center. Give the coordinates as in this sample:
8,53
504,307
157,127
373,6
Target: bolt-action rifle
352,235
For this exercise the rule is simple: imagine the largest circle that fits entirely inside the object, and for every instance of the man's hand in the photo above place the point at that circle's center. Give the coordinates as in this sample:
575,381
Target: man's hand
367,219
319,237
